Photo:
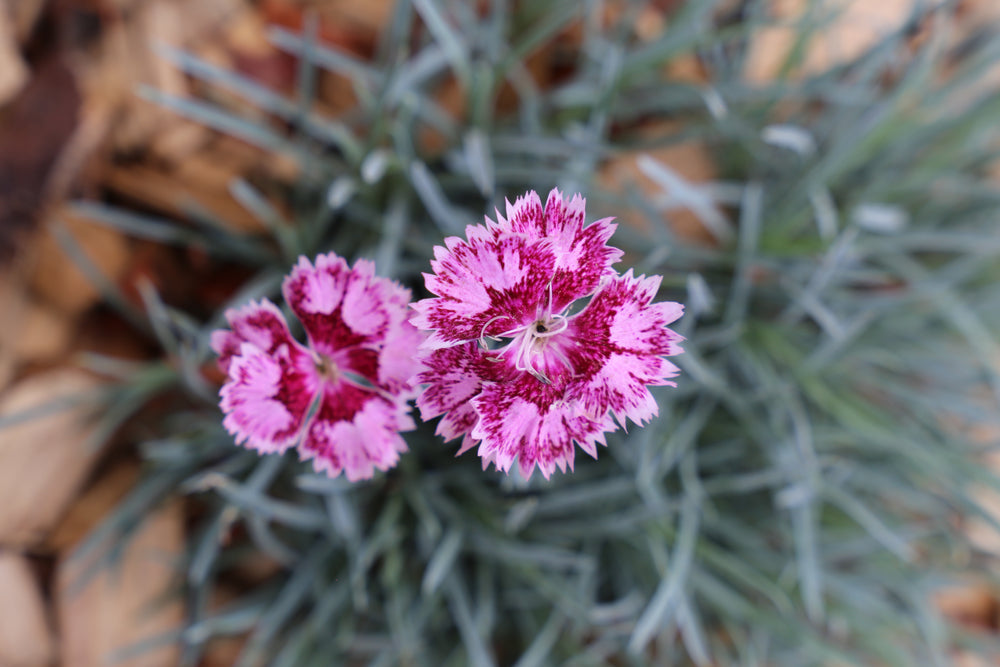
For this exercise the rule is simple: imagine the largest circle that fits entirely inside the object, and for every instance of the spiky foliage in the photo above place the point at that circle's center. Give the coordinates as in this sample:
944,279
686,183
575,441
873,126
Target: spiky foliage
802,489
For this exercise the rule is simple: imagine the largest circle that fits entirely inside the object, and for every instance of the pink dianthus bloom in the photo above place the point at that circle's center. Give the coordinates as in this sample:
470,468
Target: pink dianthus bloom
554,377
356,370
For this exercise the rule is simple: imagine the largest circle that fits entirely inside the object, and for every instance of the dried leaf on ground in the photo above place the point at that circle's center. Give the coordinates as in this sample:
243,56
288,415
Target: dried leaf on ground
34,129
92,506
34,331
42,333
13,70
848,29
982,533
55,276
127,604
24,14
44,460
12,303
970,603
25,635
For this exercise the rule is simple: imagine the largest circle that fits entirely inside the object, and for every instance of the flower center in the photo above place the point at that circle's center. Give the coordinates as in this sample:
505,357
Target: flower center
528,342
325,367
533,341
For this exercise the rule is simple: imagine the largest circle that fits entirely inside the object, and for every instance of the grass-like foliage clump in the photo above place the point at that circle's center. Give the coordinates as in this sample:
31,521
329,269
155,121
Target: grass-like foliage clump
804,487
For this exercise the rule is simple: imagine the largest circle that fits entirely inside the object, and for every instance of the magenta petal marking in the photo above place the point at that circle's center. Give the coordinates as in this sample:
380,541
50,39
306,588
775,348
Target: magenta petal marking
459,421
504,273
355,432
315,294
319,289
526,216
534,423
353,309
266,399
258,322
484,287
583,257
621,339
454,376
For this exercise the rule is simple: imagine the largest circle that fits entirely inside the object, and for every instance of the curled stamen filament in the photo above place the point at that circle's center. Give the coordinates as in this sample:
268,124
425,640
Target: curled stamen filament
528,340
482,332
523,355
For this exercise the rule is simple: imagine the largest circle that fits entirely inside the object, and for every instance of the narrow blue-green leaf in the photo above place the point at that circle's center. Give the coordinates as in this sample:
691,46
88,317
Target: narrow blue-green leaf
664,602
344,517
480,161
441,562
869,521
538,652
207,548
751,214
458,600
250,500
430,193
224,121
260,96
299,586
451,41
235,619
326,57
111,293
306,74
394,225
137,225
159,317
48,409
682,194
559,14
430,62
692,633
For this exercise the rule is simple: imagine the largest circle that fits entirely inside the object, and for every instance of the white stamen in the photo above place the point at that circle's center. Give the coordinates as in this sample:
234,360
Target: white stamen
530,340
482,332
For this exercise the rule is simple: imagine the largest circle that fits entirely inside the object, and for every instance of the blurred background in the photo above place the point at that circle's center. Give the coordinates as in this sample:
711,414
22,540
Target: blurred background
816,179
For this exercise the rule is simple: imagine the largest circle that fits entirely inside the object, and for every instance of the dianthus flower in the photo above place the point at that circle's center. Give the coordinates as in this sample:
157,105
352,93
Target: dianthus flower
343,399
550,377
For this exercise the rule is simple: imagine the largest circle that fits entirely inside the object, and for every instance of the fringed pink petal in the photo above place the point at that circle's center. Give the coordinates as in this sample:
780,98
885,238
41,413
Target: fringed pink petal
259,323
583,256
357,319
266,398
355,432
399,360
484,287
620,341
534,423
526,216
315,294
454,376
